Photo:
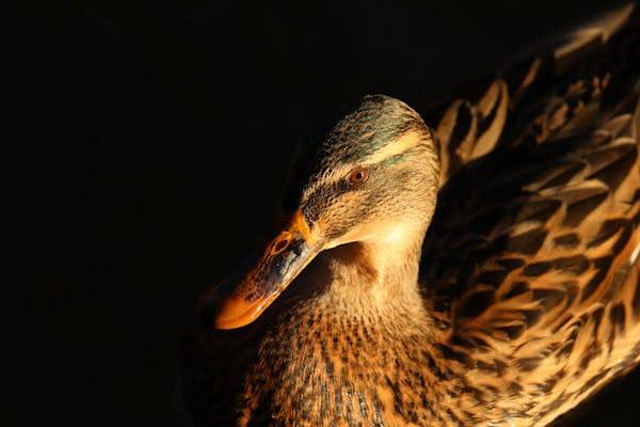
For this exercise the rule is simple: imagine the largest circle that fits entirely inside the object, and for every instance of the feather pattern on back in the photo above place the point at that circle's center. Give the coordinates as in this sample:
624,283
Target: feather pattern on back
532,256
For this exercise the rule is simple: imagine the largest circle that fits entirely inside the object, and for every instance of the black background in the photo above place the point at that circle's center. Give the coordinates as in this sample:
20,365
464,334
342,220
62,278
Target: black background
156,136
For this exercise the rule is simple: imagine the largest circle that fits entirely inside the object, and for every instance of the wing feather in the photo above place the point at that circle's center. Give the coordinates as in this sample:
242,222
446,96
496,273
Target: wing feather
532,256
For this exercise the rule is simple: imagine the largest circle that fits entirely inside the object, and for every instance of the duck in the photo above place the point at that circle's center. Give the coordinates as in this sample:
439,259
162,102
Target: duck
483,271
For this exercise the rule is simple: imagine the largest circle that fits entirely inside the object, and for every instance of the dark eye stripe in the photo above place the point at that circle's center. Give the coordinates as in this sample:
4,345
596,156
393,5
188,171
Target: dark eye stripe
313,204
312,207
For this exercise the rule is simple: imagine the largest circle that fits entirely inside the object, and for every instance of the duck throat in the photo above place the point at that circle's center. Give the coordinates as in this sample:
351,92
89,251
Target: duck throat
377,274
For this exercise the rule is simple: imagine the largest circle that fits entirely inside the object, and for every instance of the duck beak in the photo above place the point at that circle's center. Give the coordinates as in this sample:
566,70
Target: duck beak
242,300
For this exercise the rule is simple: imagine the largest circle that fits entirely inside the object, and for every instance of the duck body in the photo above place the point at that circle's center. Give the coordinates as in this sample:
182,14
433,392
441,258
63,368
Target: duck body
522,301
319,362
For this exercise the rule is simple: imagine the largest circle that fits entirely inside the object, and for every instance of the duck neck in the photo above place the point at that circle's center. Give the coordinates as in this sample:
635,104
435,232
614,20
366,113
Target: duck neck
379,273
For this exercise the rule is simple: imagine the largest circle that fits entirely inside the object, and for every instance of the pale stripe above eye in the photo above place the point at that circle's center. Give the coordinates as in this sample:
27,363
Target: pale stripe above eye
404,143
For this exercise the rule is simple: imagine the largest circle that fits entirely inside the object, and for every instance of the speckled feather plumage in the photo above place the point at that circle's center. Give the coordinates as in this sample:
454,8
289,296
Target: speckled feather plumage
530,282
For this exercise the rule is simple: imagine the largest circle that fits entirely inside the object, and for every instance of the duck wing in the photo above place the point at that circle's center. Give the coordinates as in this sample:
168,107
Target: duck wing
533,97
531,261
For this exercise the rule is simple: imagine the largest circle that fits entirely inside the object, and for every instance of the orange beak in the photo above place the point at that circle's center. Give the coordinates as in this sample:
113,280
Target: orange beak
241,301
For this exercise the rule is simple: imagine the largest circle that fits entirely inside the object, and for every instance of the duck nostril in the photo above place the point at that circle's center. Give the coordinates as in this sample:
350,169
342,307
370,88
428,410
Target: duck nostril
281,244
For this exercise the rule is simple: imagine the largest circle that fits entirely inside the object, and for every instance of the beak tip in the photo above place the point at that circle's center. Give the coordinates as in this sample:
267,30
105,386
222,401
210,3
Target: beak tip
236,313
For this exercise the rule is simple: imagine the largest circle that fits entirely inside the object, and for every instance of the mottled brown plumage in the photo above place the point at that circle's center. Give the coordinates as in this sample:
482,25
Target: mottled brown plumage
524,298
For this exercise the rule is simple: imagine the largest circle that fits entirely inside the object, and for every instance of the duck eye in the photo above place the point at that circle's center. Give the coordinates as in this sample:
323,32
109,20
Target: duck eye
358,176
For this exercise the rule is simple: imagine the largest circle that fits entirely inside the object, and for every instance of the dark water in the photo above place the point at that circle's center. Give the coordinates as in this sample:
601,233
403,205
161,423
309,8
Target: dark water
157,136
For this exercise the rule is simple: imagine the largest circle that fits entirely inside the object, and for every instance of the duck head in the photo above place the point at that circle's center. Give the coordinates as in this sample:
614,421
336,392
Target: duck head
371,179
